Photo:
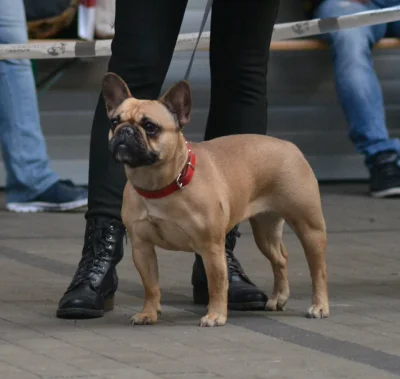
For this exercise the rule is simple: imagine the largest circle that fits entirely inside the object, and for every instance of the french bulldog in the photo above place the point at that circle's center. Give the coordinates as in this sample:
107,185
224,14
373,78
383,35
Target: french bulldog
186,196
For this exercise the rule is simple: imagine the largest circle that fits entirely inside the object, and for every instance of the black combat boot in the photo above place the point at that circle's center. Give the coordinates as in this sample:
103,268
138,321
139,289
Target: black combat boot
95,282
243,294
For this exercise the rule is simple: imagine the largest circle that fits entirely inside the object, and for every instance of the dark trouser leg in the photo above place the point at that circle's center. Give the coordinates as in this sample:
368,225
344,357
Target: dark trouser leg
145,37
241,33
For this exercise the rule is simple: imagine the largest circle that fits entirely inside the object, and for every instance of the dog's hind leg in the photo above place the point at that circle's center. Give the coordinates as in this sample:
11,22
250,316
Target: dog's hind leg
312,235
145,259
267,230
303,212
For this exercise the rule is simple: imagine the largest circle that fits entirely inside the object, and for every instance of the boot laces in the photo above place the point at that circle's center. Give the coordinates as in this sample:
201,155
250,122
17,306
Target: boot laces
96,252
234,265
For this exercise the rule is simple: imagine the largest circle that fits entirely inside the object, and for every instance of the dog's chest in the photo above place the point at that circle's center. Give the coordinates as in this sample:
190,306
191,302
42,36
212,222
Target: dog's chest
167,234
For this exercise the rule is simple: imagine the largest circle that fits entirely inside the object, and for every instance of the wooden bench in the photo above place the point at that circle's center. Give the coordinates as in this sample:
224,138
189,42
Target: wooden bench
286,45
314,44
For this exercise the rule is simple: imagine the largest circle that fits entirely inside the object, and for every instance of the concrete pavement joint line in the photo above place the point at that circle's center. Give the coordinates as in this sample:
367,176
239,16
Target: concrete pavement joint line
260,324
244,233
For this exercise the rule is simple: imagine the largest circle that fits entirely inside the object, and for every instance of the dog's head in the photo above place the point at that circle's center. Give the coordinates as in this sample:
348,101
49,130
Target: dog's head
144,132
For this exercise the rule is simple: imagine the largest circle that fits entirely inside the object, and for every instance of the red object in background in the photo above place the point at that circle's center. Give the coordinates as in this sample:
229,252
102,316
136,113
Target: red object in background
88,3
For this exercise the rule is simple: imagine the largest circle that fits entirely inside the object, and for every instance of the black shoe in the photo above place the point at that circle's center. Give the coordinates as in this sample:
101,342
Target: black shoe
385,175
243,294
95,282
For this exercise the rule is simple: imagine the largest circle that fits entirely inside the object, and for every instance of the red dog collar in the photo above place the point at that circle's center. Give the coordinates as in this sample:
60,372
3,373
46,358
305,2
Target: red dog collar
179,183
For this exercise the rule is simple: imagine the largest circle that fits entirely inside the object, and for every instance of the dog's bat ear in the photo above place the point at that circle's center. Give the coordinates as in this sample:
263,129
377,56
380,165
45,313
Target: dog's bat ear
178,100
115,91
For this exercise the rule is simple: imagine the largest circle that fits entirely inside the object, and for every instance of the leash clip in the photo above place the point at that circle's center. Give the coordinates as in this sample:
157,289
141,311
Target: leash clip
177,180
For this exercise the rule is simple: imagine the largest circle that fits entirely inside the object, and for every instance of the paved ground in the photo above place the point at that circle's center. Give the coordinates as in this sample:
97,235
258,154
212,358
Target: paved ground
38,254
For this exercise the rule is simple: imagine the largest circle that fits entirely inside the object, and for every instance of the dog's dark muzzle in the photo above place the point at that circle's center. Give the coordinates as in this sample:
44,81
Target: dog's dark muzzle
122,142
128,147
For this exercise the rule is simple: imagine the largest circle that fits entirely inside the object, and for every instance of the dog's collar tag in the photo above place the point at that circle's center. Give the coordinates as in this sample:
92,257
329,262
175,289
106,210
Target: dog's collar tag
179,183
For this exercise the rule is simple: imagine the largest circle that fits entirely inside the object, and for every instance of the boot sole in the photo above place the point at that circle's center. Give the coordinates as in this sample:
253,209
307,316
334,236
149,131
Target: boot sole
201,298
82,313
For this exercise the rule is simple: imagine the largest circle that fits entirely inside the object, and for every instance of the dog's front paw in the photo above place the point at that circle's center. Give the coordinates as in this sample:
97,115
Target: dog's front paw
144,319
318,311
213,319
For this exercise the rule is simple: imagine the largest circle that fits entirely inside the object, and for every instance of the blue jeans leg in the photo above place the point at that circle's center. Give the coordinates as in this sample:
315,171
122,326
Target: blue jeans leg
22,141
358,88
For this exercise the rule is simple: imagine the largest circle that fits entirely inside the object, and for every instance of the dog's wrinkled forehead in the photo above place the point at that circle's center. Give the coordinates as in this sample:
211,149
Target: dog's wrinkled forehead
134,111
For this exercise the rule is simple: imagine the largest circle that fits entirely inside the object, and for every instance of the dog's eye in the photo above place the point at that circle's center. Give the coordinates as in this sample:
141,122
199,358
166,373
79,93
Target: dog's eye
114,122
150,128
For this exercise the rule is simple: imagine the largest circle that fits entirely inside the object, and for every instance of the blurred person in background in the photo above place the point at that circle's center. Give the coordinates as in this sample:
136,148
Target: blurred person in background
31,185
359,91
145,36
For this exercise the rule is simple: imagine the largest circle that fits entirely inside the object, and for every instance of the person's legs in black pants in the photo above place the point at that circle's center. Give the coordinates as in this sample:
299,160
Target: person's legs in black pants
145,38
241,33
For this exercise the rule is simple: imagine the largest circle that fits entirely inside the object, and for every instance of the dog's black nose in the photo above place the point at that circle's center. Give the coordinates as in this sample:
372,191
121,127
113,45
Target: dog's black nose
127,131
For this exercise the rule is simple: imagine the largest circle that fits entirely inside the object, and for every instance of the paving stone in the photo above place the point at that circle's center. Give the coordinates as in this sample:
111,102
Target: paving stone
37,364
129,373
170,366
191,376
11,372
